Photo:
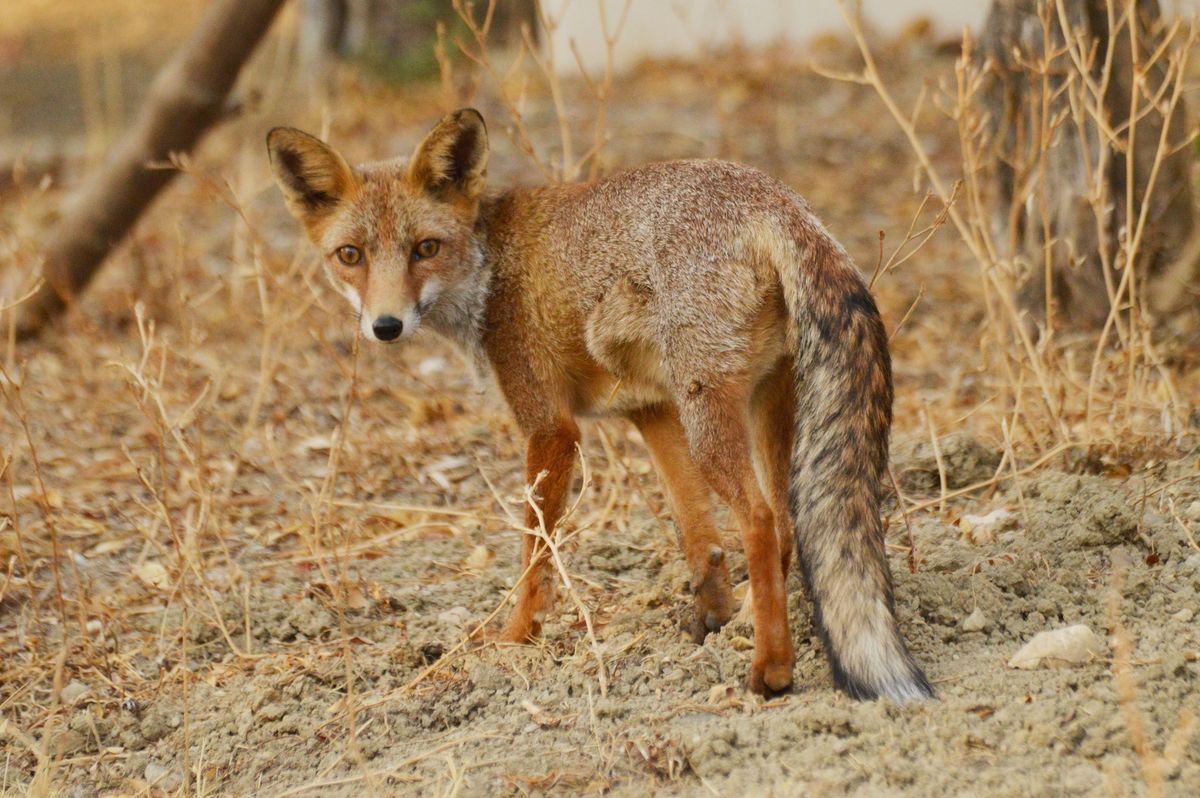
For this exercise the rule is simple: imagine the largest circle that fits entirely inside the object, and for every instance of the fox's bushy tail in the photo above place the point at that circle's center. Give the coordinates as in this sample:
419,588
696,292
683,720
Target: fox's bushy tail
843,417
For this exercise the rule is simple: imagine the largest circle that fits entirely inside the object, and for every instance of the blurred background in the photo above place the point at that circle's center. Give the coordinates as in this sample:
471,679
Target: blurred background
73,72
240,549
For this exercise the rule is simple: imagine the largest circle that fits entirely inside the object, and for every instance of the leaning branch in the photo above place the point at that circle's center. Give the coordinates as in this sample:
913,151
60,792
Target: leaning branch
186,99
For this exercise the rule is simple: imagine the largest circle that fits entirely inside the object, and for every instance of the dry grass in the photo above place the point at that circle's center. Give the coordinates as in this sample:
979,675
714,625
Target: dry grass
208,428
1105,392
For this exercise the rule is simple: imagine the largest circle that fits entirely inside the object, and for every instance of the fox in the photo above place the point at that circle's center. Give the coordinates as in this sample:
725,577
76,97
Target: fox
701,300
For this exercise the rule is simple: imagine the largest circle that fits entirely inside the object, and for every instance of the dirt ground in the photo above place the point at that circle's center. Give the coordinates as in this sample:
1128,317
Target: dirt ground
238,550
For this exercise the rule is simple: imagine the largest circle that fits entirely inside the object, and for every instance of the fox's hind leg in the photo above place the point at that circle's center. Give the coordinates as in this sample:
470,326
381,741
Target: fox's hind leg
688,494
773,417
714,415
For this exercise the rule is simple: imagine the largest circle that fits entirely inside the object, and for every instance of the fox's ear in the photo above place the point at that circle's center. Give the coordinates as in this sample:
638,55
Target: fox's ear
312,176
452,160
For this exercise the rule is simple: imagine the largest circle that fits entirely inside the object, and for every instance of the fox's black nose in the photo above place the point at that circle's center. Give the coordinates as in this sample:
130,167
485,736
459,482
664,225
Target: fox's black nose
387,328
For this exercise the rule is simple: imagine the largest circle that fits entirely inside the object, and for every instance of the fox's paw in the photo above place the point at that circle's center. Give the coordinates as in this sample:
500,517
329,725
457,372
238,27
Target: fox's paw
519,629
713,604
512,632
770,679
482,636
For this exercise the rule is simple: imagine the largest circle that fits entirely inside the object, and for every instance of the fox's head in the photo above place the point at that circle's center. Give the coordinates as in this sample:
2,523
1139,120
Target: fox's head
396,236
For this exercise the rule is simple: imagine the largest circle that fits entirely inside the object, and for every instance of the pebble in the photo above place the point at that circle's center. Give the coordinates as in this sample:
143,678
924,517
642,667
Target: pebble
479,559
74,692
983,529
162,777
455,616
1071,645
1183,616
740,643
976,621
1193,511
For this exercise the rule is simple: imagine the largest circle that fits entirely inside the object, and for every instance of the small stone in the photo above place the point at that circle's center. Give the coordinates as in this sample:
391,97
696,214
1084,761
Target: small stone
720,693
152,574
1071,645
455,616
158,722
162,777
75,692
976,621
479,559
983,529
136,764
1183,616
1193,511
72,742
1083,779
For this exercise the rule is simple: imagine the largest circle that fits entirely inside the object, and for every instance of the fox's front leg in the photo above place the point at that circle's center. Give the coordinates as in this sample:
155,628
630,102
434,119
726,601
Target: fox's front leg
550,450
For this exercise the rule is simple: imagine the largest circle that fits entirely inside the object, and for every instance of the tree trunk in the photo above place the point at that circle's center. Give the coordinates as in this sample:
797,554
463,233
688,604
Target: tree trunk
396,38
187,98
1046,184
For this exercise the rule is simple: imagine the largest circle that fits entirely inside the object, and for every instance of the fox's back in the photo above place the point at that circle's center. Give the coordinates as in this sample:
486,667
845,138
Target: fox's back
612,280
661,223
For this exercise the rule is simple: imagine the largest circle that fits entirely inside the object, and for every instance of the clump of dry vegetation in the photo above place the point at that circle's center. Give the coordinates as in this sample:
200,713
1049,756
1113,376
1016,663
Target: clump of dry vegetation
243,553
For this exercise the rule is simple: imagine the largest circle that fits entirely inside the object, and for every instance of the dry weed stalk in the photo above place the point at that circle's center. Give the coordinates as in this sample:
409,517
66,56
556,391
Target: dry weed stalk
1125,394
322,509
552,544
512,84
552,541
11,389
389,772
1150,761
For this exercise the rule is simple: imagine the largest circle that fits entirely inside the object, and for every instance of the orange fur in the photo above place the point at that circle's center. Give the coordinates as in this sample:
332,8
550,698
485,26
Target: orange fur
703,301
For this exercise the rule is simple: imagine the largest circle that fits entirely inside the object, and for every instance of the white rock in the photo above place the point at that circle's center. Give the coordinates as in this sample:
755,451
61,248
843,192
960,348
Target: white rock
1193,510
981,529
455,616
162,777
976,621
74,691
1072,645
479,559
1183,616
152,574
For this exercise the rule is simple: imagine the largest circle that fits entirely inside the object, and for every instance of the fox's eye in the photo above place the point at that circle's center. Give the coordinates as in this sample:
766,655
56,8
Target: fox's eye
351,256
427,248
